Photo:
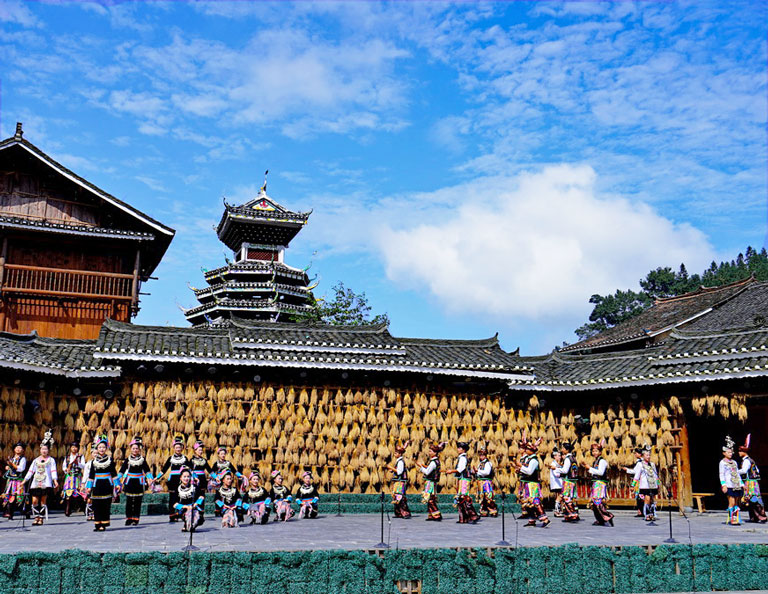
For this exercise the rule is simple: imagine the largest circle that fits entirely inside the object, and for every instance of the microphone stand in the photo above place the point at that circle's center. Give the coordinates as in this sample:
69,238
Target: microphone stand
23,527
671,539
503,542
382,544
190,547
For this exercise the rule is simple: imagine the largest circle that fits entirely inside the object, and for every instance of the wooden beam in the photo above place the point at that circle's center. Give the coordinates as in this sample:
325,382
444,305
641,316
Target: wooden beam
135,284
3,305
68,270
685,486
47,293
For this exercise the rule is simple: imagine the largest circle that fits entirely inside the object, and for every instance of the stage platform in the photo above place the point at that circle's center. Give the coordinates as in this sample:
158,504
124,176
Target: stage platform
362,532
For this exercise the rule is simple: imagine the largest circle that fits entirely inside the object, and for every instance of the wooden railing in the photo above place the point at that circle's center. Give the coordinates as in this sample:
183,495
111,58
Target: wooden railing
61,282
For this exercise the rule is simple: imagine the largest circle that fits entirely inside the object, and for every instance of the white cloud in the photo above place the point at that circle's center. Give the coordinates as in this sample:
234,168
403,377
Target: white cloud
17,12
535,246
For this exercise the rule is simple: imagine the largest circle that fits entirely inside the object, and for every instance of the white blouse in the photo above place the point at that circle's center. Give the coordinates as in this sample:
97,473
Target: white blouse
556,477
729,474
599,472
484,469
641,476
42,472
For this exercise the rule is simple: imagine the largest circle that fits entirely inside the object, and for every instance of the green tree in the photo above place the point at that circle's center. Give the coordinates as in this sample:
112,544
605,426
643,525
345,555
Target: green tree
344,308
613,309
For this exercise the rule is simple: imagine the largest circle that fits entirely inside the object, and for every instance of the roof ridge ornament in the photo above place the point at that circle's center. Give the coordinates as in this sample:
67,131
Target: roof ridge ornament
19,132
263,188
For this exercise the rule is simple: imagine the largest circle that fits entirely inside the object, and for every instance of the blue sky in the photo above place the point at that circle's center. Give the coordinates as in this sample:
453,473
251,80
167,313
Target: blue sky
473,168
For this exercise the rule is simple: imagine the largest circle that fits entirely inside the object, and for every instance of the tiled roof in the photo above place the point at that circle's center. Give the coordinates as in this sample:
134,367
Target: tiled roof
662,316
747,308
11,222
369,348
684,356
70,358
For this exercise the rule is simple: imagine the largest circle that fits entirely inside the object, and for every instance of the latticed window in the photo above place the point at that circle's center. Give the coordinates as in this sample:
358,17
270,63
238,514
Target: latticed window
268,255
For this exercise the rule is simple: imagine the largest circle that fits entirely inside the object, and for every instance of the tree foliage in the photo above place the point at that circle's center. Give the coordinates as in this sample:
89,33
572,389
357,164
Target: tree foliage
343,308
613,309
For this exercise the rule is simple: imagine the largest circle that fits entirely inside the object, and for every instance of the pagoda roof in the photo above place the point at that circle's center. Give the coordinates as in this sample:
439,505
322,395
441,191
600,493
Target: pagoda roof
279,345
256,267
664,315
156,236
260,220
237,287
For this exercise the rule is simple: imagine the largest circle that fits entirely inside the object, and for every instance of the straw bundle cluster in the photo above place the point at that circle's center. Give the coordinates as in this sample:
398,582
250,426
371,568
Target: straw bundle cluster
726,407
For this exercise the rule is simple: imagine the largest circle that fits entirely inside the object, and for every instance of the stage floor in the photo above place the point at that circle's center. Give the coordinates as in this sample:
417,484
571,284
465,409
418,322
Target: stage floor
362,531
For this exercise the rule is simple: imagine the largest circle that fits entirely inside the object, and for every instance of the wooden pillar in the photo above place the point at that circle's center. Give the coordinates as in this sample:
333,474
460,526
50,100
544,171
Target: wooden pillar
3,302
685,485
135,285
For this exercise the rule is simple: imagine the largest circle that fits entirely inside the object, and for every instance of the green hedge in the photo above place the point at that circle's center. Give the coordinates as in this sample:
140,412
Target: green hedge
351,503
572,568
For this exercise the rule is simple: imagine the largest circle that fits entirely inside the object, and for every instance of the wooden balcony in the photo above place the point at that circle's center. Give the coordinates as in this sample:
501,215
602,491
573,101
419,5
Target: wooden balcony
61,282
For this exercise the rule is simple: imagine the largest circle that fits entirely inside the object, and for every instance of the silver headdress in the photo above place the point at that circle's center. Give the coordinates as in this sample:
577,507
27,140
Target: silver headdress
729,443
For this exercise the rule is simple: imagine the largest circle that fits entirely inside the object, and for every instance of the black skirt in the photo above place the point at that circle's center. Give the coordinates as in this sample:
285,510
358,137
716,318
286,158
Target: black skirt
649,491
40,491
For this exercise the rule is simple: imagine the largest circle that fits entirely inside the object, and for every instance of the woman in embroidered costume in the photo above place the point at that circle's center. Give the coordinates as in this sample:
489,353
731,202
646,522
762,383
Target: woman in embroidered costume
281,498
44,479
173,466
529,469
200,467
647,479
307,497
750,474
13,495
101,484
484,473
400,483
228,501
570,473
730,481
222,465
431,474
599,496
86,476
134,478
72,468
189,500
256,500
632,471
556,481
463,501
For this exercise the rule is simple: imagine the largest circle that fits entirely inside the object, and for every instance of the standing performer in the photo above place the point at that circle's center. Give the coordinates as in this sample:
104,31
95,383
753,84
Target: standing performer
431,474
556,481
632,471
45,479
730,482
228,501
599,495
86,476
307,496
189,500
647,479
256,500
174,464
570,473
529,469
222,465
101,484
13,495
281,498
134,477
467,513
199,466
72,467
400,483
750,474
484,473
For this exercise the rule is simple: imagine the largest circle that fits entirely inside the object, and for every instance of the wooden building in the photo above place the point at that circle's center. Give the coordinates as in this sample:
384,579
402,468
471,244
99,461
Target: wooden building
71,255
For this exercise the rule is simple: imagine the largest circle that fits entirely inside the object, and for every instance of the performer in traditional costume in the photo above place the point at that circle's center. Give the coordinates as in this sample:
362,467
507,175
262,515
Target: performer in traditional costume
281,498
307,497
44,479
14,494
599,496
529,469
632,471
431,474
134,477
73,467
570,473
222,465
463,501
173,466
189,500
647,479
256,500
556,481
200,466
750,474
400,483
228,501
485,473
86,476
730,482
101,484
